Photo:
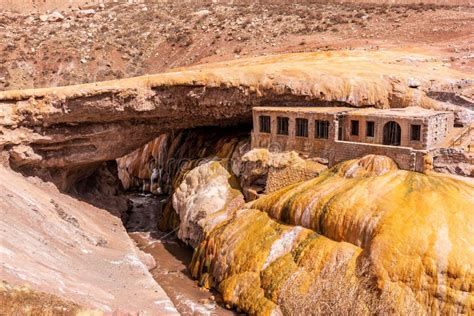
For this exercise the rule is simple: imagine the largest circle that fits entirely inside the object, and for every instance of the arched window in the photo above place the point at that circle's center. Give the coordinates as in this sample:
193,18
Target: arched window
392,134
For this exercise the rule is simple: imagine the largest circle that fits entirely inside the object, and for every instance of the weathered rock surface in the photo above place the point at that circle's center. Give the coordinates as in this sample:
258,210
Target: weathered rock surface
176,153
55,244
204,199
453,161
362,236
262,171
72,127
172,156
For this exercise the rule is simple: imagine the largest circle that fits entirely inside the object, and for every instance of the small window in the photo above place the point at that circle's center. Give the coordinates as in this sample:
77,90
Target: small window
370,129
301,127
264,124
282,125
415,133
322,129
355,128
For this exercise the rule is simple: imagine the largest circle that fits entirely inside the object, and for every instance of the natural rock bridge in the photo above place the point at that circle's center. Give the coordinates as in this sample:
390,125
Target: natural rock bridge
67,128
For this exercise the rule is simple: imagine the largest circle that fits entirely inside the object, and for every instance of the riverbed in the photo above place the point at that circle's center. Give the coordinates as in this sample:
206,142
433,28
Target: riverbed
172,258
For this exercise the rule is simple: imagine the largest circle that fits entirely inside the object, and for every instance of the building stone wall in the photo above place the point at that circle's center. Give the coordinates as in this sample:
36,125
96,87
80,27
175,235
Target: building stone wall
409,155
406,158
439,127
405,126
337,151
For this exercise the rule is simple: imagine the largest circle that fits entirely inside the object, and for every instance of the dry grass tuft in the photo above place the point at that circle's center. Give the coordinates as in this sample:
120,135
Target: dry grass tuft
332,294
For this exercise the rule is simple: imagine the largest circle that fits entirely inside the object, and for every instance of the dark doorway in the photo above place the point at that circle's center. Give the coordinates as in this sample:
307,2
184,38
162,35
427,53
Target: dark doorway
392,134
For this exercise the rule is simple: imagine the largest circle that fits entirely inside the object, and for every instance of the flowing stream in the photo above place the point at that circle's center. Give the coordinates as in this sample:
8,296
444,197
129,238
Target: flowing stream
172,258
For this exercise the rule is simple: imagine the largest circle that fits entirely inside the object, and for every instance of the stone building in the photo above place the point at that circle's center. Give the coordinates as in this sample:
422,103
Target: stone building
341,133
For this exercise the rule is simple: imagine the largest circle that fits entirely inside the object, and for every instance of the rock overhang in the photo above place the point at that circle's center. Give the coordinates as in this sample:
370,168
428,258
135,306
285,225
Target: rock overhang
329,76
69,127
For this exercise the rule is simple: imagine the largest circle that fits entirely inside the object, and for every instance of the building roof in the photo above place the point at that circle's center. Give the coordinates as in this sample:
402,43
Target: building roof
303,109
408,112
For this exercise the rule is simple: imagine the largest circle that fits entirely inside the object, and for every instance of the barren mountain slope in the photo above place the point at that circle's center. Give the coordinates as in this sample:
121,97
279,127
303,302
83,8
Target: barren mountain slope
125,40
42,6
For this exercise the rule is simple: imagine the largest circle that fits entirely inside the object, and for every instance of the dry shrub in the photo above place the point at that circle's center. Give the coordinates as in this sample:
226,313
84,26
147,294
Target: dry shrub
332,294
16,300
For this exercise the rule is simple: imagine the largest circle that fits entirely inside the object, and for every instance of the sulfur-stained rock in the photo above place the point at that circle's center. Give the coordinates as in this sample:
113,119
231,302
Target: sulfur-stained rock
361,237
367,166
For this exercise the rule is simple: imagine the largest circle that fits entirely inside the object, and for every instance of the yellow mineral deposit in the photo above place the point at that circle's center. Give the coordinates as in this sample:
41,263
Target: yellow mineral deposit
403,239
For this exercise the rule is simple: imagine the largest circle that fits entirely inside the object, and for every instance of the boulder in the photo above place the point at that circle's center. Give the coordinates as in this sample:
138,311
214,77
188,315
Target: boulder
202,13
204,199
88,12
53,17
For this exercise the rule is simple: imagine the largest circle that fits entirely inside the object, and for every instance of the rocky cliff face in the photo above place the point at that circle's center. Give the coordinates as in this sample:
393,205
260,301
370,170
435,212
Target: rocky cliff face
160,166
171,155
361,236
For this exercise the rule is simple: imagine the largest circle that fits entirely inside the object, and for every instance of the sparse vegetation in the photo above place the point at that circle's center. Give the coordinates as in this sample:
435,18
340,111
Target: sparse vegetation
172,35
16,300
332,294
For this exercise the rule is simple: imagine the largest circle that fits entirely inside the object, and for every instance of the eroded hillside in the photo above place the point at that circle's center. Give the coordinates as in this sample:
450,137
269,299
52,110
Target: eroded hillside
126,40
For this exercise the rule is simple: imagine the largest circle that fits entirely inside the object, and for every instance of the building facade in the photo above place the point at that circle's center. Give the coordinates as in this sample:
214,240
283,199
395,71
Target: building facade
341,133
